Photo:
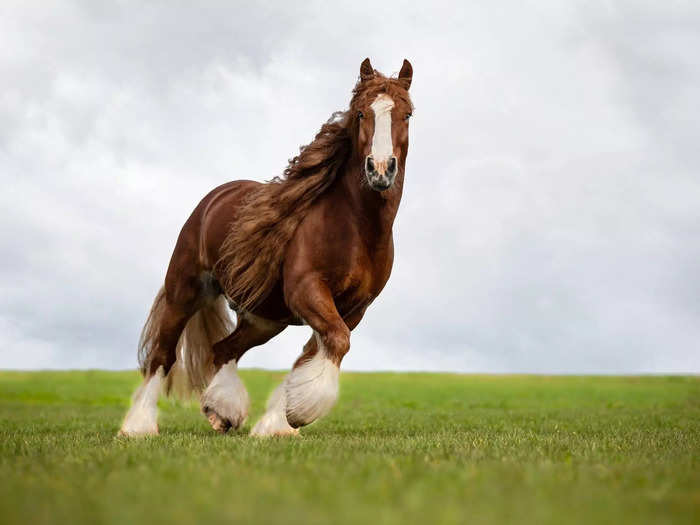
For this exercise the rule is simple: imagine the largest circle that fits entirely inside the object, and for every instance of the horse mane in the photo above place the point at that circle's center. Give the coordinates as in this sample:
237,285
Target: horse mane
251,256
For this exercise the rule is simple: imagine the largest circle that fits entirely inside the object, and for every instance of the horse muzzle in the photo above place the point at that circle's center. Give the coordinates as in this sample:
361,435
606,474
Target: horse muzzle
381,174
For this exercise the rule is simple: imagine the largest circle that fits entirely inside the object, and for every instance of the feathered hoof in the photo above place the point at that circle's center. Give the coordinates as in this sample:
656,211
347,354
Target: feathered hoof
273,424
225,402
311,390
295,421
218,422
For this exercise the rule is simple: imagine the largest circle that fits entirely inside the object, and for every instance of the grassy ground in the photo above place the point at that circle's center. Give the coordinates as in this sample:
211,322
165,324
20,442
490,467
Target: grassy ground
398,448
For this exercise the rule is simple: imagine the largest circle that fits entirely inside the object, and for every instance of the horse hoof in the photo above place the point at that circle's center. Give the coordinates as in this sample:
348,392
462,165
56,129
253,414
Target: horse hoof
218,423
272,425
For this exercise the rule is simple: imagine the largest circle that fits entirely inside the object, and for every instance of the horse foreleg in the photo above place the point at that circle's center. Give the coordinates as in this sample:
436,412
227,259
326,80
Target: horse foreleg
225,402
274,422
311,388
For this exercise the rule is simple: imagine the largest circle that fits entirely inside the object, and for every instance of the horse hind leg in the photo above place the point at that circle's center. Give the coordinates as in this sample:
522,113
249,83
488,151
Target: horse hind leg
142,417
157,353
225,401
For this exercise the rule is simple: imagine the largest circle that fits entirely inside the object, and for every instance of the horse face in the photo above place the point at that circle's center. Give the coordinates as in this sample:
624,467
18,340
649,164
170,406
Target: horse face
383,127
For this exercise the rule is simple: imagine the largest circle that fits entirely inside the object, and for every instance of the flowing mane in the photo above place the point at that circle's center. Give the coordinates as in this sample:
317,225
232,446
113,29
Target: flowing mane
252,253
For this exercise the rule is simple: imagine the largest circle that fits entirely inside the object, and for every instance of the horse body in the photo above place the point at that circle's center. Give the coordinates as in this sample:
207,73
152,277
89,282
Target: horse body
330,263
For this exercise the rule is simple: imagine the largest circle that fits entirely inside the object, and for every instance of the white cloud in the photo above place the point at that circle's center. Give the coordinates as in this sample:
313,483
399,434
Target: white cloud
549,221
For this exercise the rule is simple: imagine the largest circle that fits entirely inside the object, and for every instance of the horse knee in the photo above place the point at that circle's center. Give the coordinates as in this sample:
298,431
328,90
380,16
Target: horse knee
337,343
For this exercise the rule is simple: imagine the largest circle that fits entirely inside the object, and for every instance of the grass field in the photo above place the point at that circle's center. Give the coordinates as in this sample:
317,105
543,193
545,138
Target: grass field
398,448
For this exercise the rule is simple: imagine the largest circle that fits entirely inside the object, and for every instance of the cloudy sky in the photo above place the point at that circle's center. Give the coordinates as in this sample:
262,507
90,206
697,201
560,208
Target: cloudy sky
551,212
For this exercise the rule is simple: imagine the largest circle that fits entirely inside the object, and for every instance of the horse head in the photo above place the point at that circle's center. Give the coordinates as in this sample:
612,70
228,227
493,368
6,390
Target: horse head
379,111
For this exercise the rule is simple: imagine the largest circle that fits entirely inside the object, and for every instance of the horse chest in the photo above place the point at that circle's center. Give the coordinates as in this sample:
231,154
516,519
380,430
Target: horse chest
349,255
356,295
361,281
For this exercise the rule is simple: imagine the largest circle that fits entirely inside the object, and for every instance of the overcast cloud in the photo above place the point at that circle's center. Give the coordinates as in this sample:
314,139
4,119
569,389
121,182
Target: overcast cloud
551,212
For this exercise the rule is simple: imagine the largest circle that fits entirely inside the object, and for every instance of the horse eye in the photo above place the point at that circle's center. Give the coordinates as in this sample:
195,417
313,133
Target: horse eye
408,115
360,114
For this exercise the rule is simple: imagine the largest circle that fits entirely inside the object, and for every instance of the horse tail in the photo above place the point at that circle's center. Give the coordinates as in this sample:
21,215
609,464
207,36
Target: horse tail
194,366
150,331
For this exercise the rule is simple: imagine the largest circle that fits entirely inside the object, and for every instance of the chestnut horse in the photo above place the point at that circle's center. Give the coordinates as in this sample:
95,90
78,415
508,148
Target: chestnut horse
312,247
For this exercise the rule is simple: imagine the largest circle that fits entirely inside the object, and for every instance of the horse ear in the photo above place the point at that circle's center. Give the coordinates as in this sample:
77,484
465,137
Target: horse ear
406,74
366,70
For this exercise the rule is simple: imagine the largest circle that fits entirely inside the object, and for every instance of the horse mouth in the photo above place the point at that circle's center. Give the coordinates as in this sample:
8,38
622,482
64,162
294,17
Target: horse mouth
380,185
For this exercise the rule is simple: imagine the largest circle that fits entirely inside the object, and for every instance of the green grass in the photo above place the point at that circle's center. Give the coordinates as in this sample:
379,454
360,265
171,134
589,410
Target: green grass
398,448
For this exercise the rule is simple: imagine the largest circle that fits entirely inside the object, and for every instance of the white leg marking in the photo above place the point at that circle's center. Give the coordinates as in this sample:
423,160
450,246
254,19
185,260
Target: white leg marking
142,417
382,148
312,388
226,395
274,422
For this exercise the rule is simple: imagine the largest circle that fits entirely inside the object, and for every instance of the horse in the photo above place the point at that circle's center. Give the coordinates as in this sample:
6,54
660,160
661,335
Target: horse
313,247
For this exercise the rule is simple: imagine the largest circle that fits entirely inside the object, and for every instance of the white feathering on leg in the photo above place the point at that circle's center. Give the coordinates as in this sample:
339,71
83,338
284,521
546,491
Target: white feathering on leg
227,396
274,422
312,389
142,417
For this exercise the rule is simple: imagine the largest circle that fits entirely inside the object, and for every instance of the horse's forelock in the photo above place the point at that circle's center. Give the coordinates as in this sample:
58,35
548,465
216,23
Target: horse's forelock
366,91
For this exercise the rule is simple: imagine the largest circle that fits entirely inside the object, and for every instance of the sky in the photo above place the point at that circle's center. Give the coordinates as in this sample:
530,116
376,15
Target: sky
550,221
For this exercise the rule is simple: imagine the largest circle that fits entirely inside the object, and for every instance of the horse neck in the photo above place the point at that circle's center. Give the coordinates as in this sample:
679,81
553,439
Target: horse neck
374,211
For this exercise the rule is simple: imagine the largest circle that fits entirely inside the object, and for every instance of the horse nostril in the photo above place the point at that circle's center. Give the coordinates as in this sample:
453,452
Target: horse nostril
391,168
369,165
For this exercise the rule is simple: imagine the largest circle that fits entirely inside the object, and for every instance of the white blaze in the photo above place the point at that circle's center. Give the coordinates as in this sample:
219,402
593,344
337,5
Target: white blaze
382,148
